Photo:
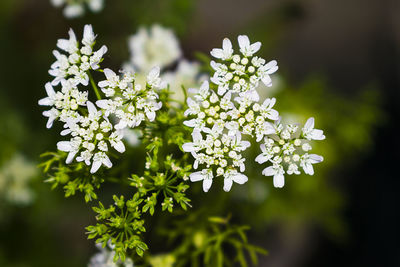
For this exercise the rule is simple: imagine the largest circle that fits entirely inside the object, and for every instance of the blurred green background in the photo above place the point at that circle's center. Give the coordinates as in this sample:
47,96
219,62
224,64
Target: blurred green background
339,61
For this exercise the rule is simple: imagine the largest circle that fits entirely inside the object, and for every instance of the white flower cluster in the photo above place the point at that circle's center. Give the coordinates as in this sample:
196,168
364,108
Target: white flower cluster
287,149
105,258
76,8
73,67
222,117
241,73
92,132
15,177
156,46
70,71
131,103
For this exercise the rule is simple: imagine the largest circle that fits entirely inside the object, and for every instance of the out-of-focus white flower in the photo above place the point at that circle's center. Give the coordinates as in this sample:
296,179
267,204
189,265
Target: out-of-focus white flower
105,259
186,75
157,46
76,8
73,11
96,5
15,176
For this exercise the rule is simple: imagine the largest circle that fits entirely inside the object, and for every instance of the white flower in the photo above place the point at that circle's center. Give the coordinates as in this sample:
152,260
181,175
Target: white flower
197,143
97,57
277,172
310,133
186,75
72,147
224,53
52,114
307,160
265,156
206,175
246,48
88,35
51,96
267,111
153,78
231,176
68,45
100,158
266,70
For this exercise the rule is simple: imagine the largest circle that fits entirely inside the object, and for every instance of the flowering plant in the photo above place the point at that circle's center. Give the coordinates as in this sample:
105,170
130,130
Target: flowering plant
98,108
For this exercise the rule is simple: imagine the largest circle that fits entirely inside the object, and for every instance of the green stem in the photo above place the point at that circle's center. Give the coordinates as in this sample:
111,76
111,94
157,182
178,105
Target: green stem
96,90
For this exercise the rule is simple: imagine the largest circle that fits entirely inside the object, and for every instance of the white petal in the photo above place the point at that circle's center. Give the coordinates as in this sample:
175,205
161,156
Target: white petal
267,81
227,184
196,176
269,171
102,103
244,42
310,123
45,102
49,89
255,47
107,162
308,169
120,147
188,147
317,134
261,159
227,44
151,115
154,73
92,109
49,123
70,157
64,146
240,178
314,158
109,74
190,123
207,184
217,53
95,166
279,180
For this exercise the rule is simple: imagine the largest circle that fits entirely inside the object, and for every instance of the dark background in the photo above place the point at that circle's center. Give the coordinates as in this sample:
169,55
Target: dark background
351,44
